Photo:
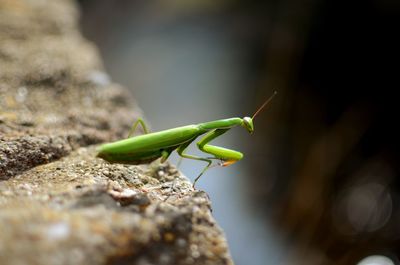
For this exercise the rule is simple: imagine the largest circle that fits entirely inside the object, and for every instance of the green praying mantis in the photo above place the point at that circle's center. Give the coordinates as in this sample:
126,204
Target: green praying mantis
151,146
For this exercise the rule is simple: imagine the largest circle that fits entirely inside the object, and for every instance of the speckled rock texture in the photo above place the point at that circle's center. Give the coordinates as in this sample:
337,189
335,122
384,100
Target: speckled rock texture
59,204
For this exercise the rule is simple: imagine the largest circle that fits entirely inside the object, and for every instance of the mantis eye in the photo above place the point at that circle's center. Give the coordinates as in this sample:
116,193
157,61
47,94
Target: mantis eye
248,124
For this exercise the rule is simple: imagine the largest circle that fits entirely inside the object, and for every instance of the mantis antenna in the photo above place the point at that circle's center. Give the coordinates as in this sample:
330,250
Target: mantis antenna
265,104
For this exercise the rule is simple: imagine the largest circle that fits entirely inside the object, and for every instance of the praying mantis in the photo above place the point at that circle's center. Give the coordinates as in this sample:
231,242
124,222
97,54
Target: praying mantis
151,146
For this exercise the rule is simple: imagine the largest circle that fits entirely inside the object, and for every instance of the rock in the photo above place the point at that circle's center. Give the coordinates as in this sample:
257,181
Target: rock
59,203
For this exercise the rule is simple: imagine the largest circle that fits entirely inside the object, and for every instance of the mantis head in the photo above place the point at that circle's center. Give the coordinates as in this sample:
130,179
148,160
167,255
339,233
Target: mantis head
248,122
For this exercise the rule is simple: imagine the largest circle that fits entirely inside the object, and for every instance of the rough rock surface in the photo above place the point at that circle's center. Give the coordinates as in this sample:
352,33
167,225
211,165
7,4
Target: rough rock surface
59,204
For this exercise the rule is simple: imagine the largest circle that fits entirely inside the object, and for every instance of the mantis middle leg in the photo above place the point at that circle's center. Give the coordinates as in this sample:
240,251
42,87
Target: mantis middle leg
181,149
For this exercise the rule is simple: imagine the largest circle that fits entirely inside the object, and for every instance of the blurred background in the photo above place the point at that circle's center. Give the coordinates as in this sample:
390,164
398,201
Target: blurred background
319,183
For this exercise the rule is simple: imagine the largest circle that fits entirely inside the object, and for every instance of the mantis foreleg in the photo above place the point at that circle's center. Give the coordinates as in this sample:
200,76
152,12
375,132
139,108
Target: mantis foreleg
227,155
141,122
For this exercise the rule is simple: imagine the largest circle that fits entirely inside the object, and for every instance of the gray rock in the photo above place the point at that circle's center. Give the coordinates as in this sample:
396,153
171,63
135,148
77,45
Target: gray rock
59,203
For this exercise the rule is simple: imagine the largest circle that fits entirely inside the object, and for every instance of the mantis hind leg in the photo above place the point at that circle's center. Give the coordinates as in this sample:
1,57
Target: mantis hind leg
133,128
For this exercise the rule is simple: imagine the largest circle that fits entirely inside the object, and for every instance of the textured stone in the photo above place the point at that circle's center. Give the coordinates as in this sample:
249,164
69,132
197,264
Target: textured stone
59,204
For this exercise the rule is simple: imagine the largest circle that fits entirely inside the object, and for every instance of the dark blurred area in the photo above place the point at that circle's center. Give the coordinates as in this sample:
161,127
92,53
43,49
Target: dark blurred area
331,187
